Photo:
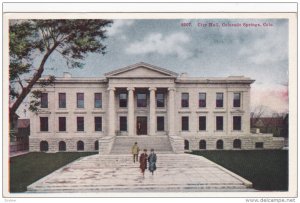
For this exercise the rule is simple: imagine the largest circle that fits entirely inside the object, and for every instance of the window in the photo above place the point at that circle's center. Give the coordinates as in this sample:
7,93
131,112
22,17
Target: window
61,146
44,146
237,144
96,145
141,100
220,144
160,123
44,100
186,145
219,122
44,124
185,123
123,123
80,124
202,123
80,146
184,99
202,144
80,100
123,100
202,100
160,100
98,100
259,145
98,123
62,123
62,100
219,100
237,100
237,123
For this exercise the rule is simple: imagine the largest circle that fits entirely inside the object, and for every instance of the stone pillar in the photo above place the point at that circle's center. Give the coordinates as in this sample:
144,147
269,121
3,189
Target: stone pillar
171,109
111,112
130,111
152,111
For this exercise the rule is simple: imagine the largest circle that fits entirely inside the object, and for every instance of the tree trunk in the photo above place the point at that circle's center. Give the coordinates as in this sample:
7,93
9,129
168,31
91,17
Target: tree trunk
25,91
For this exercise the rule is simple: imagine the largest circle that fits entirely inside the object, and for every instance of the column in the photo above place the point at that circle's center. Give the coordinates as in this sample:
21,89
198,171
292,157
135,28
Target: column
152,119
111,111
171,110
130,111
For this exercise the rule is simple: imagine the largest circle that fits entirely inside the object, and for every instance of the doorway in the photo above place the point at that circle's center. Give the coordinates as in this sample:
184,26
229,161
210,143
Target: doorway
141,125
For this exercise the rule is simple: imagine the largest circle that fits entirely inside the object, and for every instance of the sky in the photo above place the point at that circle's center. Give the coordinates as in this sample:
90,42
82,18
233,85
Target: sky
255,48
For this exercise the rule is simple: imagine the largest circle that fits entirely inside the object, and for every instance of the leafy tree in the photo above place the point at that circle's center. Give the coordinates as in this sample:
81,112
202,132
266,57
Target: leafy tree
73,39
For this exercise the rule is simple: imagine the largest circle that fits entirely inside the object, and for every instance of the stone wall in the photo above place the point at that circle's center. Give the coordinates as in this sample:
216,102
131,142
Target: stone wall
71,144
177,144
247,142
105,144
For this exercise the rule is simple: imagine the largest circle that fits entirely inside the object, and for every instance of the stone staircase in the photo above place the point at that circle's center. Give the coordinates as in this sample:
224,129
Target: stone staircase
117,173
123,144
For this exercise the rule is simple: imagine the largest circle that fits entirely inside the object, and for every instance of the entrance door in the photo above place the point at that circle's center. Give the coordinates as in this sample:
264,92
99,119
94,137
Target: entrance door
141,125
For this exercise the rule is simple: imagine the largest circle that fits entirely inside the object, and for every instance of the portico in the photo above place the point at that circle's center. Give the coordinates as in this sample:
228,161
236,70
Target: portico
135,111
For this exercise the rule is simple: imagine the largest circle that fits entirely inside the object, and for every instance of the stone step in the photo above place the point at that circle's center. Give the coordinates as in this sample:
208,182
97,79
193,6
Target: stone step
161,158
139,188
123,144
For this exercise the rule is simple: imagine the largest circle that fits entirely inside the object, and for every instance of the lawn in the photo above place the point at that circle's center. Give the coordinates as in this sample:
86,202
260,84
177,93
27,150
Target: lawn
28,168
266,169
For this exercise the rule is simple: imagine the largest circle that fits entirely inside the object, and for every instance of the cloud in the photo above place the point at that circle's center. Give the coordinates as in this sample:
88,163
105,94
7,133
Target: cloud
273,96
172,44
118,25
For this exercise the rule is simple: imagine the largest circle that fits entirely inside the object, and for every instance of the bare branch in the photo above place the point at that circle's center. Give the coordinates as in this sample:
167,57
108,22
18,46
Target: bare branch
67,58
20,82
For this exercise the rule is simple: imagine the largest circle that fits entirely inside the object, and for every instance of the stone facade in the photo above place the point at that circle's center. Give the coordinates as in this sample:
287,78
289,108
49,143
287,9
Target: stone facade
143,99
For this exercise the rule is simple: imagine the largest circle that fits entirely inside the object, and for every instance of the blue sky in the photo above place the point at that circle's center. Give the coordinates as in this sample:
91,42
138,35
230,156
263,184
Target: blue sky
259,52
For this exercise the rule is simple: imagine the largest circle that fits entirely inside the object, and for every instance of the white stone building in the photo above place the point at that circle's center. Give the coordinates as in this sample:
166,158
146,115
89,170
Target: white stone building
154,106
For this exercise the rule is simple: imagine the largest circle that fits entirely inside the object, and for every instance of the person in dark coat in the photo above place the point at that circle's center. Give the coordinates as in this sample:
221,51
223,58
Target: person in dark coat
143,162
152,158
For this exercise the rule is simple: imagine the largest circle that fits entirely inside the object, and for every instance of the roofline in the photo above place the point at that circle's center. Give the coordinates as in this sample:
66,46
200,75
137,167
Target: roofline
141,77
80,80
127,68
215,81
187,80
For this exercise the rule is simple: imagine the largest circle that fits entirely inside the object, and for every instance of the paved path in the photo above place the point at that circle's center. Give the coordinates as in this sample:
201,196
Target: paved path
118,173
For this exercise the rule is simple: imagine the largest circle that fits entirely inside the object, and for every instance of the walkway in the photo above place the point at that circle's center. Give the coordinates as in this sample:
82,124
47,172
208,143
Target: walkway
118,173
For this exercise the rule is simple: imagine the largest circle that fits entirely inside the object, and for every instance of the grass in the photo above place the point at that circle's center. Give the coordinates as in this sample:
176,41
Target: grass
266,169
28,168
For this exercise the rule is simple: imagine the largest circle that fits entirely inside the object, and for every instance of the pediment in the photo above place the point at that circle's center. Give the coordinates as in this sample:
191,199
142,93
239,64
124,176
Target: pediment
141,70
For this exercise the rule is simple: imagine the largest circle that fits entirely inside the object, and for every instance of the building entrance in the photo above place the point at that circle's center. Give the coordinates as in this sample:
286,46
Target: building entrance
141,125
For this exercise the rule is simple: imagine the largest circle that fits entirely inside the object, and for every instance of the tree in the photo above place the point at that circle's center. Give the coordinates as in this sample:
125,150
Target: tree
279,123
256,114
72,39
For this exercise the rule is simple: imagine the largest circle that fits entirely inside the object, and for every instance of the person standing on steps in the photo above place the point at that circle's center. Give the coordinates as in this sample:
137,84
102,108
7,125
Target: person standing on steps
152,161
143,162
135,152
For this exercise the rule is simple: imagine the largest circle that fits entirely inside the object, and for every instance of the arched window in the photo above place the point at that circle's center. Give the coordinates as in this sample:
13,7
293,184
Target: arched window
80,146
62,146
220,144
202,144
237,144
186,145
44,146
97,145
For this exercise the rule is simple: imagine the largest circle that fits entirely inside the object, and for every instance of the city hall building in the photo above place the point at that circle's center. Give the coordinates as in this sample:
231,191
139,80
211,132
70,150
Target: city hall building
156,107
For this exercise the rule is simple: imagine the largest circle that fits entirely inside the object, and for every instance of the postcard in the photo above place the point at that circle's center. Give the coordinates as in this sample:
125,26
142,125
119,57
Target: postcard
150,104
